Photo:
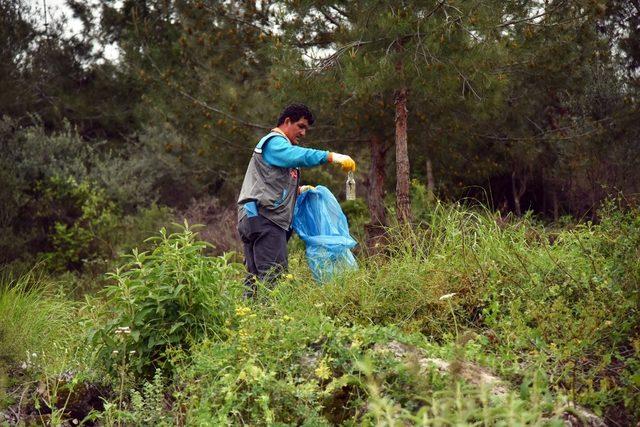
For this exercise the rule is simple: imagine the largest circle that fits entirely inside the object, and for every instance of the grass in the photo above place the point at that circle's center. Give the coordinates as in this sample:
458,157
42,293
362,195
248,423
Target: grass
553,311
564,301
34,319
40,344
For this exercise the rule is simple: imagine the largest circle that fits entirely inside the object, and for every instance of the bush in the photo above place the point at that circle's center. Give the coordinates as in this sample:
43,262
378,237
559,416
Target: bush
62,195
165,299
84,221
29,160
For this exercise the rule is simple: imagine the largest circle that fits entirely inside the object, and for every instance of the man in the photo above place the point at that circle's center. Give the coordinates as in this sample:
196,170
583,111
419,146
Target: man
269,191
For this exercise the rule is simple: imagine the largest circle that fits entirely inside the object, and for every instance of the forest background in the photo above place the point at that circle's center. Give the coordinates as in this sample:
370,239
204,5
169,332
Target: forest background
523,106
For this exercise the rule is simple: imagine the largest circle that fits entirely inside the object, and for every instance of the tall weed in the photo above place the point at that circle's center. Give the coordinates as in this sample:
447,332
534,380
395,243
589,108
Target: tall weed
33,317
164,299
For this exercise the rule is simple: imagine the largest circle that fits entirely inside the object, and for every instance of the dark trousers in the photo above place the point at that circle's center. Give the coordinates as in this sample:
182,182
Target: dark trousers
265,251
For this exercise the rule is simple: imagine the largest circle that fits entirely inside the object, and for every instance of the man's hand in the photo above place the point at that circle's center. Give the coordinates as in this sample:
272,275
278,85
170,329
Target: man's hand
304,188
347,163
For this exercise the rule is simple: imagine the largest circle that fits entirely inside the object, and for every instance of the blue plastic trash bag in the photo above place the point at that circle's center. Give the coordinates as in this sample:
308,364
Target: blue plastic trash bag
320,223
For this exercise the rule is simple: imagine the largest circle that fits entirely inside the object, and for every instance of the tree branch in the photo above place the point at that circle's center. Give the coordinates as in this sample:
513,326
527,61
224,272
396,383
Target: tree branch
203,104
530,18
209,107
329,17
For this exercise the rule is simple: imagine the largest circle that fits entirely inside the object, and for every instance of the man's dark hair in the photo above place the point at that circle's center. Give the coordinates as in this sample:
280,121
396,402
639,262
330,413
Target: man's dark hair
295,112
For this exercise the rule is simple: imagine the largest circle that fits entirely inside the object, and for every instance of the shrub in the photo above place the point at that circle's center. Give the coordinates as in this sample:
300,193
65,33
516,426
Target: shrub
62,194
170,297
84,219
133,230
29,159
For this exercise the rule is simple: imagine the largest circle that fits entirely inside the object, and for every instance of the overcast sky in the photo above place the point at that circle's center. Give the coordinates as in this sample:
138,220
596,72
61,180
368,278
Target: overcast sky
57,9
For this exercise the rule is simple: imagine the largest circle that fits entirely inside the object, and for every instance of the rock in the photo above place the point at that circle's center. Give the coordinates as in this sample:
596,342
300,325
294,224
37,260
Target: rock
309,362
581,417
576,416
473,374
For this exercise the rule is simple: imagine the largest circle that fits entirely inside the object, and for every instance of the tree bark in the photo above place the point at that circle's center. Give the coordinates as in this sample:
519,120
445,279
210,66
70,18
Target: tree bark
375,230
431,183
518,192
403,201
556,208
377,176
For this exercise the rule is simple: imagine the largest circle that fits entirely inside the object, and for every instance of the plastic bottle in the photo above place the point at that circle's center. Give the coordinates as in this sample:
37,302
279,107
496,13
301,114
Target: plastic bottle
351,187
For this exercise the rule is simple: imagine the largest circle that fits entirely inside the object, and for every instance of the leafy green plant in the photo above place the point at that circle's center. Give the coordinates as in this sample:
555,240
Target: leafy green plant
148,405
80,231
170,297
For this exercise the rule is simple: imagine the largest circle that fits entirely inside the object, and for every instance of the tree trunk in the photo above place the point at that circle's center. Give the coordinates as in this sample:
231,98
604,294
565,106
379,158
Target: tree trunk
403,201
518,192
377,176
431,183
375,230
556,209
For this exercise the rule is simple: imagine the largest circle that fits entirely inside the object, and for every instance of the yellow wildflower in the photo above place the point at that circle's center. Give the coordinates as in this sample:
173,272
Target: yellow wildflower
255,372
242,311
322,371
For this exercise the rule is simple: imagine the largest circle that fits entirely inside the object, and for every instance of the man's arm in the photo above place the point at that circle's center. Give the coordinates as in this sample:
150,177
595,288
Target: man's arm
279,152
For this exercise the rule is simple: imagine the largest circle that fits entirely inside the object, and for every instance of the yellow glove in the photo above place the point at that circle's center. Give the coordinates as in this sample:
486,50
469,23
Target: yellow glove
347,163
304,188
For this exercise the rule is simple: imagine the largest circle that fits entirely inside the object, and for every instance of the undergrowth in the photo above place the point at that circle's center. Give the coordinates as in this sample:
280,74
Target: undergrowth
552,311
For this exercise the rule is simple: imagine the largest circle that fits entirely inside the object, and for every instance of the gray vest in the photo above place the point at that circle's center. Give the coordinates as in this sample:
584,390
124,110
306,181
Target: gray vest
274,189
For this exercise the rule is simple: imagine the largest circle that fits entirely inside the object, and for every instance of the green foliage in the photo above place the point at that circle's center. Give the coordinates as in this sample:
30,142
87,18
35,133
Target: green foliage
81,231
147,406
551,311
134,229
164,299
357,215
65,199
310,370
37,325
422,201
565,301
29,161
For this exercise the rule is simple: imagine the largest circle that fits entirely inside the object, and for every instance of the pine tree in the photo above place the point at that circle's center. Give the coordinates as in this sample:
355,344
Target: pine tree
410,50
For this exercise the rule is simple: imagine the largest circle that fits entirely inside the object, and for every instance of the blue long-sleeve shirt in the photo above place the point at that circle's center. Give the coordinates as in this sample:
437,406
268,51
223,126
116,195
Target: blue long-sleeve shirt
281,153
